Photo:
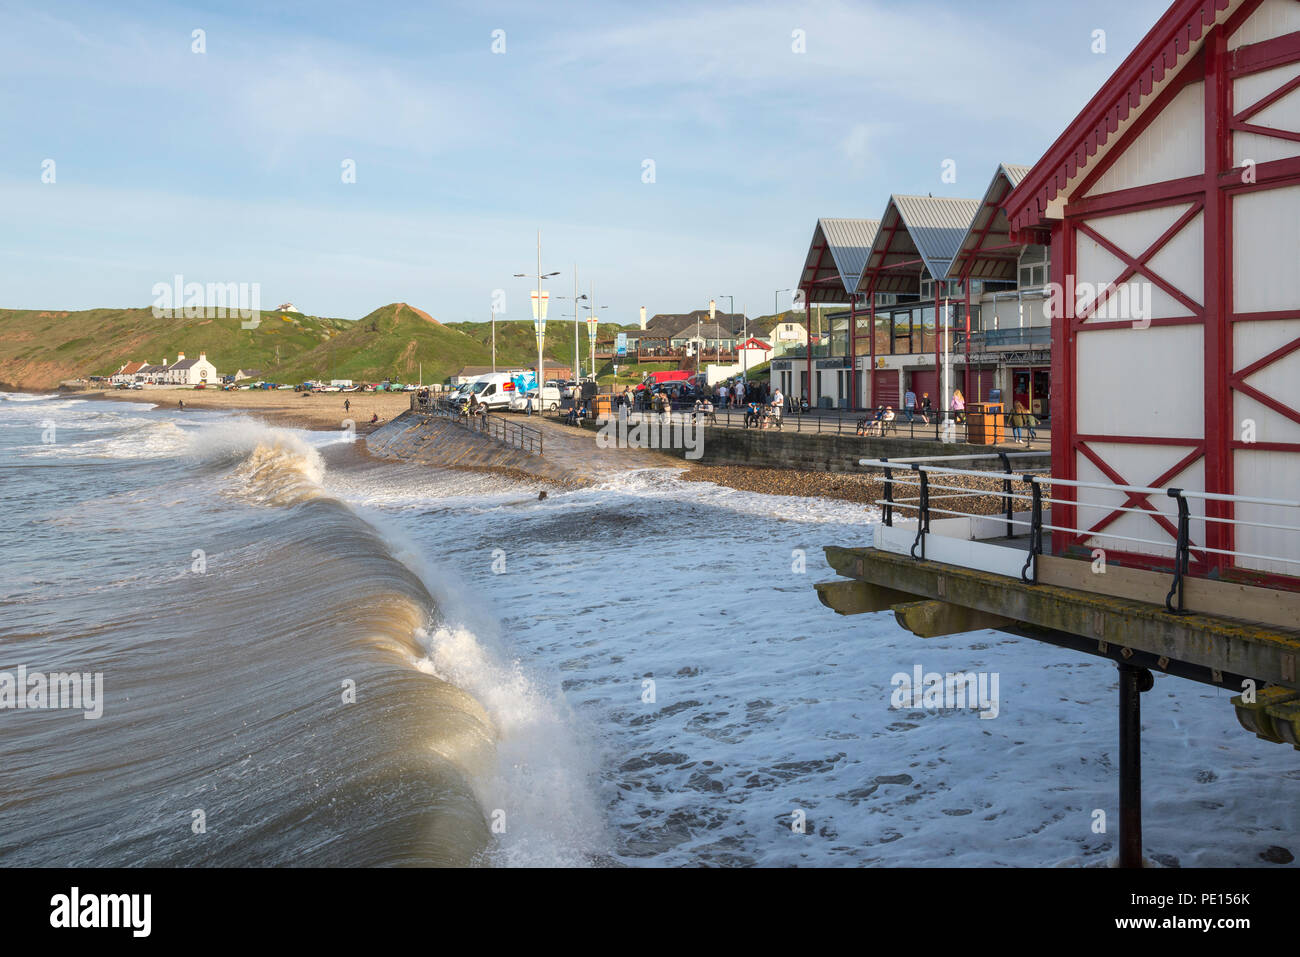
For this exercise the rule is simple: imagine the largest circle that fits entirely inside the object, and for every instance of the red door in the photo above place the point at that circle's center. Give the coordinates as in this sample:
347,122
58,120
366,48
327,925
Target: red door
923,381
1021,391
886,389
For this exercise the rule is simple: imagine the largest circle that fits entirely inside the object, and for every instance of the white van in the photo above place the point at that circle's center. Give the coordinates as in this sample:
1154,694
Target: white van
494,391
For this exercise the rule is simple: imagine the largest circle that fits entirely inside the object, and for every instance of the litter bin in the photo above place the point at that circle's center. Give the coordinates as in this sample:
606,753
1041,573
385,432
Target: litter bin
984,425
603,406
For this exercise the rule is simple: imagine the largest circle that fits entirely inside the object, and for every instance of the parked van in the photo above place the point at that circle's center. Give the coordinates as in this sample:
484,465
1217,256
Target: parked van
494,391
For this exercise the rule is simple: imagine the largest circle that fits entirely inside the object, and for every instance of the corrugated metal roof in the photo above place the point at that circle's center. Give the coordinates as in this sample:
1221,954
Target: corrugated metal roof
981,234
1015,173
849,243
937,225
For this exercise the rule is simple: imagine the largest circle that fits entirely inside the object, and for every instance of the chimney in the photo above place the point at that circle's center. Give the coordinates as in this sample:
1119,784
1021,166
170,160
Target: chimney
203,357
180,357
643,318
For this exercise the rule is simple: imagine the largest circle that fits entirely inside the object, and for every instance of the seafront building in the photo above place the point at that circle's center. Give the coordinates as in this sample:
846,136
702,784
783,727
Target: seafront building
937,283
1166,537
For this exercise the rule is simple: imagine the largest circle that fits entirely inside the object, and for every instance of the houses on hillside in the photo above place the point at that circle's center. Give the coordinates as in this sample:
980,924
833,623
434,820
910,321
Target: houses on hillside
183,372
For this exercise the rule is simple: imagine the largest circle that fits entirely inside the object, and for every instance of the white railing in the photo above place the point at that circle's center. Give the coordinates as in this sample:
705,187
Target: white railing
1035,495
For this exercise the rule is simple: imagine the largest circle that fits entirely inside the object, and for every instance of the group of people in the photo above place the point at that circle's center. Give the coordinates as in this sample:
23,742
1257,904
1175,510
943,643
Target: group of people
738,393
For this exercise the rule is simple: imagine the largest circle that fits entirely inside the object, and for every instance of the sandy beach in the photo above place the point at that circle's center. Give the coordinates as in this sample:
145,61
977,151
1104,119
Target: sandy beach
321,411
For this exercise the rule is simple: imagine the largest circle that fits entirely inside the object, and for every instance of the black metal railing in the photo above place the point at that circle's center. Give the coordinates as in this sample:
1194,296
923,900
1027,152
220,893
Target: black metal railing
503,430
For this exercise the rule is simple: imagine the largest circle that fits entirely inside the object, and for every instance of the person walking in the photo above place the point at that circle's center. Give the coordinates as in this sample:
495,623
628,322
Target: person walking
927,408
959,405
909,405
1017,421
347,405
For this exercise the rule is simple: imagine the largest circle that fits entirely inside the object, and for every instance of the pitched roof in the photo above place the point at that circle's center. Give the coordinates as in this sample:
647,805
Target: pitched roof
182,365
752,343
916,231
833,279
131,368
986,249
1176,37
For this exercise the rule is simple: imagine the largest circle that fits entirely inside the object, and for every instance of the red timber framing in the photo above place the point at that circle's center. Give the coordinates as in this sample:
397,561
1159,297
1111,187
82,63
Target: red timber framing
830,277
1193,41
986,252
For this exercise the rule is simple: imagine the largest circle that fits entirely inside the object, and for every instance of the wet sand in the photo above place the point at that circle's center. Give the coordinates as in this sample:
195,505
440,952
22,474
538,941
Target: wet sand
319,411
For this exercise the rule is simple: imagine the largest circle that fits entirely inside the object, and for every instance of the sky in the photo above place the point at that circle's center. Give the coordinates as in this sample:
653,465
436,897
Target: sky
670,152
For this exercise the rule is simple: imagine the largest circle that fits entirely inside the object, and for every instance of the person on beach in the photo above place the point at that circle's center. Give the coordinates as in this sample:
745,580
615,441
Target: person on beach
909,405
347,405
182,403
374,417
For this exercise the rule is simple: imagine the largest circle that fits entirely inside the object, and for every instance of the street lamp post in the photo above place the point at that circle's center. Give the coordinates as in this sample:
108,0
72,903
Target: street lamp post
731,310
539,315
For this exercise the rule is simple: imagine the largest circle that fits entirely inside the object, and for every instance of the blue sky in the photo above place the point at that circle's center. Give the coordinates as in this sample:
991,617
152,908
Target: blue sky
225,166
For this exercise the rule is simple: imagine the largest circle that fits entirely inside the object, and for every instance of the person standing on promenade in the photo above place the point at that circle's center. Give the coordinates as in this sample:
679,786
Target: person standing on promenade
959,405
909,405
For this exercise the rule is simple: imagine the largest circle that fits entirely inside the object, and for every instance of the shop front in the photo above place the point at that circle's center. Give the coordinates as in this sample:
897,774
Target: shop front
1032,387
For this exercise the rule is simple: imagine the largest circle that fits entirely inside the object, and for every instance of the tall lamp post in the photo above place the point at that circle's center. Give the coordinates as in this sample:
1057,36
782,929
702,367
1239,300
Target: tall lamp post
592,321
539,313
731,310
776,311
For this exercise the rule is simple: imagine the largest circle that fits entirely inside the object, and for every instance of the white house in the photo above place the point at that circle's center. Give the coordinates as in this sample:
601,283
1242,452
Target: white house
787,335
127,373
190,371
753,352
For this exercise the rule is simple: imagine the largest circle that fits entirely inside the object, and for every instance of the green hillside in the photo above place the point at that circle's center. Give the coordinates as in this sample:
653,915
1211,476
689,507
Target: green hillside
41,348
517,345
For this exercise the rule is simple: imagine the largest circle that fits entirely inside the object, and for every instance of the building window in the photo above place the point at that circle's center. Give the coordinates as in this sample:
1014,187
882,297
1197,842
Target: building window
1035,267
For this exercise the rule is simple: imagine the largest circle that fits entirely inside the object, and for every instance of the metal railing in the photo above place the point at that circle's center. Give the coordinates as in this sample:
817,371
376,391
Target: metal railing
948,427
503,430
1037,493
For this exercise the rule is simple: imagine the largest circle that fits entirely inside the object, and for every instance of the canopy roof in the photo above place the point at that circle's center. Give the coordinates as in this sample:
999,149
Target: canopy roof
918,236
987,251
835,259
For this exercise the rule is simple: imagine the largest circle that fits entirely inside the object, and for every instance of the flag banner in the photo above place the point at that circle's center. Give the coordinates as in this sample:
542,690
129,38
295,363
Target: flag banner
620,345
539,309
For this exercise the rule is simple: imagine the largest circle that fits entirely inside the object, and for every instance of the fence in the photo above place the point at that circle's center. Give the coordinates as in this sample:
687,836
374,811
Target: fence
514,434
1038,492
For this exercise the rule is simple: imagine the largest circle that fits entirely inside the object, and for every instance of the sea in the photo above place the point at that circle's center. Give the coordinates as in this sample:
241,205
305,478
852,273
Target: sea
309,656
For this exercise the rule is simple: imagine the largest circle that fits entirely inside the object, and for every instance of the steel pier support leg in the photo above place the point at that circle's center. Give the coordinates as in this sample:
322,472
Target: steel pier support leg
1132,682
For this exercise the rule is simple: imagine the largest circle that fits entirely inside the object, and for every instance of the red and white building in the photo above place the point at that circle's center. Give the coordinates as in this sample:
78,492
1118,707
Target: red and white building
1180,181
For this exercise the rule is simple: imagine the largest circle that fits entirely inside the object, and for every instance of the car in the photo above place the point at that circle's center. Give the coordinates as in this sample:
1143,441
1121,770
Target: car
528,401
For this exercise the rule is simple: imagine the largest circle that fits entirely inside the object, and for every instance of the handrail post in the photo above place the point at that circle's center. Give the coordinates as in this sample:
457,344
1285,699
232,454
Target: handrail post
1035,534
1181,552
1006,492
923,514
889,496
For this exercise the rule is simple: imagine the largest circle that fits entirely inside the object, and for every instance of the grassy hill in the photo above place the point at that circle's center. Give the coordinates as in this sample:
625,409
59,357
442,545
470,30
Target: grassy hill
39,348
517,345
